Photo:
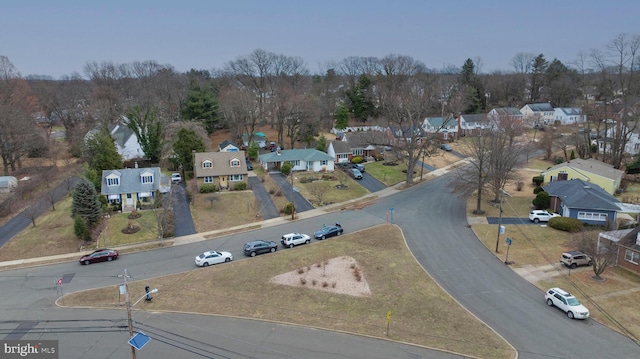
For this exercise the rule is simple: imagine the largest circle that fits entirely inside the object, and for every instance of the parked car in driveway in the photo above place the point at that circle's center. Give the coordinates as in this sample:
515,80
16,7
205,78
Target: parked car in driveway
213,257
446,147
573,259
354,173
567,303
541,216
176,178
294,239
328,231
358,166
100,255
254,248
249,166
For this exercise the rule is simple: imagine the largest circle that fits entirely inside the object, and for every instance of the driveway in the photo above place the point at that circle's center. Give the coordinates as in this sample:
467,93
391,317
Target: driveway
182,220
299,202
510,220
268,209
371,183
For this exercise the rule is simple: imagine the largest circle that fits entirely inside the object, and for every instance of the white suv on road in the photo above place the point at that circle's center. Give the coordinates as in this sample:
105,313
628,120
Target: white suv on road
293,239
541,216
567,302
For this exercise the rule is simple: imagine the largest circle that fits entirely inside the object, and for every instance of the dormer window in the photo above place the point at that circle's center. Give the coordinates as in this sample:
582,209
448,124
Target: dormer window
113,179
146,177
234,162
207,164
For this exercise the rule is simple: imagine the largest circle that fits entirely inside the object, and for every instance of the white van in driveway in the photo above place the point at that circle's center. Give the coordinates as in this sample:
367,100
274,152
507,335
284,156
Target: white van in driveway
176,178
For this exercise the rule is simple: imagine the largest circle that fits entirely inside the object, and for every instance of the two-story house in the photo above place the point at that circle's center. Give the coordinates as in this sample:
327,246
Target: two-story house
501,117
472,124
130,185
126,141
590,170
224,169
569,115
538,113
445,127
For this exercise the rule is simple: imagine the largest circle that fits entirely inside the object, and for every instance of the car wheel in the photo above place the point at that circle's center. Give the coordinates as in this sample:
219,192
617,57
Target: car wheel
323,237
253,254
290,246
550,302
227,260
590,263
570,314
87,262
574,266
307,241
536,220
109,259
205,264
340,233
274,249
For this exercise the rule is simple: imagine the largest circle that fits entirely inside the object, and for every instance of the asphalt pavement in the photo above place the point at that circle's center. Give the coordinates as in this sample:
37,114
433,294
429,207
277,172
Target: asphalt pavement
268,209
182,220
301,204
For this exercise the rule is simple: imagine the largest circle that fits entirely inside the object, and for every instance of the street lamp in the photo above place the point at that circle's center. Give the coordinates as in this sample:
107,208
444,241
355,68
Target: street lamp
499,220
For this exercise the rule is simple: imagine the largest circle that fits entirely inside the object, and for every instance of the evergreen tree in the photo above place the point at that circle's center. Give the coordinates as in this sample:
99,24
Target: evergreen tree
322,144
186,142
253,150
148,129
201,105
102,153
360,102
80,228
85,202
342,117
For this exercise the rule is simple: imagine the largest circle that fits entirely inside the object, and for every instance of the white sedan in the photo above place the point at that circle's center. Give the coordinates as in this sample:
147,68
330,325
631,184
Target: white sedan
541,216
212,257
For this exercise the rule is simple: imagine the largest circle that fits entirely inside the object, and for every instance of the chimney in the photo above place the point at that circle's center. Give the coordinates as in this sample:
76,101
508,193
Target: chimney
278,151
135,164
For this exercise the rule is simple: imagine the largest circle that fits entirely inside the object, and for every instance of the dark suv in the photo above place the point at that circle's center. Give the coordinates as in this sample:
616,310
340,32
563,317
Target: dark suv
258,247
574,259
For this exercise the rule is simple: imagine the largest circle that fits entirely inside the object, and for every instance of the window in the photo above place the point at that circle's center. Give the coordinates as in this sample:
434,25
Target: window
358,152
631,256
147,178
234,162
294,163
208,179
113,181
323,163
591,216
343,156
236,178
207,164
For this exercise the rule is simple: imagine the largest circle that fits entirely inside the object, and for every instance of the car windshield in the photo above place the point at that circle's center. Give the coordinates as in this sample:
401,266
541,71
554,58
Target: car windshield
201,256
573,302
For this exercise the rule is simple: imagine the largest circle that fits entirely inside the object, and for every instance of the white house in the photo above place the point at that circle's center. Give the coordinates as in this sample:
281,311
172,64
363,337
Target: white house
569,115
446,127
301,159
126,141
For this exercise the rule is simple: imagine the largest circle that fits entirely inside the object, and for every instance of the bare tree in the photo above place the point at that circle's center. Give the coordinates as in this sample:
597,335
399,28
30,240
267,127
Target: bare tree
318,190
32,211
472,178
602,253
53,196
406,98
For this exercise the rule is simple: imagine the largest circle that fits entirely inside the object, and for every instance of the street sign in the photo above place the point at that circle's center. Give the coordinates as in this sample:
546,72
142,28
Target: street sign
508,241
139,340
60,281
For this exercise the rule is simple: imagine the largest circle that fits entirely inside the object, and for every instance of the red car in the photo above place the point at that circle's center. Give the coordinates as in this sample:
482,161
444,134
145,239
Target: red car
101,255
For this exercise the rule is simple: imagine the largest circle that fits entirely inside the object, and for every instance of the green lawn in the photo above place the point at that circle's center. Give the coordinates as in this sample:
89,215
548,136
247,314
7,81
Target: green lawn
326,189
389,175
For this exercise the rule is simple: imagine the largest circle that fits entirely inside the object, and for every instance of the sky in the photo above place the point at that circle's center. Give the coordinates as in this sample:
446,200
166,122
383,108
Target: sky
57,38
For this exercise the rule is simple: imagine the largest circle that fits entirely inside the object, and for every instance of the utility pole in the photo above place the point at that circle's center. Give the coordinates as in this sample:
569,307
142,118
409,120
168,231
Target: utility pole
293,205
125,277
499,220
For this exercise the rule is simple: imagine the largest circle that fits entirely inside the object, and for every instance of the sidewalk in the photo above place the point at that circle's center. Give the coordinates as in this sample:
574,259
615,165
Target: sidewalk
198,237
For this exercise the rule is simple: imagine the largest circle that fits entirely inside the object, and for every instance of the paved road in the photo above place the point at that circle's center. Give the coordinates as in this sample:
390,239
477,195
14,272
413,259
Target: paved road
267,208
435,226
182,220
299,202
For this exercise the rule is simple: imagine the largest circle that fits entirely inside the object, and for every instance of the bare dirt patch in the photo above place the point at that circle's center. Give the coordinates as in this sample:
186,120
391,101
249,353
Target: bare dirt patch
340,275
